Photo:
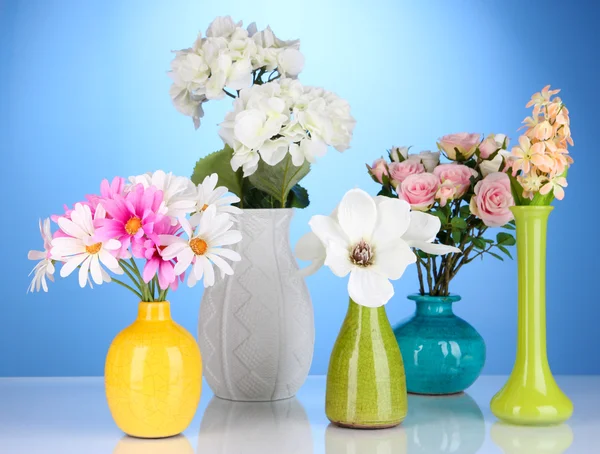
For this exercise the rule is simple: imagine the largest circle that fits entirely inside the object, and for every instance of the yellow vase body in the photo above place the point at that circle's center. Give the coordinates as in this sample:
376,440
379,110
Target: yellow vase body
153,375
531,395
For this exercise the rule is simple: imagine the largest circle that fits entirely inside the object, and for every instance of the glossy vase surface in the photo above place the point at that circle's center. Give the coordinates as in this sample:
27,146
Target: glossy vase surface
256,329
366,388
442,353
531,395
153,375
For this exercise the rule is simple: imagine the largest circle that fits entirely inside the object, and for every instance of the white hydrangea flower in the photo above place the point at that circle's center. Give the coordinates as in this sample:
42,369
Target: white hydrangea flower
271,120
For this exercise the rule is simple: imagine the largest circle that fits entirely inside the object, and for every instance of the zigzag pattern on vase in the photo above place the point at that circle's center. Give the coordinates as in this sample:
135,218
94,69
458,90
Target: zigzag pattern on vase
256,329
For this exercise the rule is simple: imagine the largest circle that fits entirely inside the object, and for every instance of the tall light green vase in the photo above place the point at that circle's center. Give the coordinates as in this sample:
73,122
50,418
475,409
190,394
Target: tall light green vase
366,385
531,395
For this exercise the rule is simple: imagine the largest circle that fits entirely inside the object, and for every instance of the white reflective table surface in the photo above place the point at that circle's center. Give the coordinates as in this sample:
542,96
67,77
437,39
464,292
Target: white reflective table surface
70,415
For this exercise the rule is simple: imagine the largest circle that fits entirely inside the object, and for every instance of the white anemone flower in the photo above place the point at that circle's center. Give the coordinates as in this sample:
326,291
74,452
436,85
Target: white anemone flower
44,268
179,193
372,251
81,249
209,194
205,235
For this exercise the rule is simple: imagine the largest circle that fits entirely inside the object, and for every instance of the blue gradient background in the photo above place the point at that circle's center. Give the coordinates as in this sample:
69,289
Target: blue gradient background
84,96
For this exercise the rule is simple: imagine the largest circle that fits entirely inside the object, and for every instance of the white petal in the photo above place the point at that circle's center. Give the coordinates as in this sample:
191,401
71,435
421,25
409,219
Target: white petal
36,255
391,261
369,288
433,248
222,264
83,271
72,263
198,268
230,237
173,250
209,274
111,245
227,253
108,259
167,240
184,258
71,229
393,219
67,246
423,227
338,259
357,215
328,230
95,270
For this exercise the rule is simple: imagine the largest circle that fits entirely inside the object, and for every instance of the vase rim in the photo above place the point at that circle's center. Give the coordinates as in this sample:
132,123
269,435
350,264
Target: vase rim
266,210
452,298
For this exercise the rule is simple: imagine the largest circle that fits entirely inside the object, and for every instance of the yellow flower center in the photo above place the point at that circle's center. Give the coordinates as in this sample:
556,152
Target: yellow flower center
199,246
204,207
133,225
94,248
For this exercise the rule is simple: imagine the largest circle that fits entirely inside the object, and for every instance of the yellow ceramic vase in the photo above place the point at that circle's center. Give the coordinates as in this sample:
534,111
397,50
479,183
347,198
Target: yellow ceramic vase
153,375
531,395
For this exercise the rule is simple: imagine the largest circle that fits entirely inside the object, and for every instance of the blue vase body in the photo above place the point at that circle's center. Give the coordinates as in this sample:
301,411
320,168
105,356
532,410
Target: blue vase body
442,353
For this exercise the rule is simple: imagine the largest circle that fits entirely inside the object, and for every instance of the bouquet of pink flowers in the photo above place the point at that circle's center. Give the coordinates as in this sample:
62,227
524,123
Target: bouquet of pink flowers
162,220
476,188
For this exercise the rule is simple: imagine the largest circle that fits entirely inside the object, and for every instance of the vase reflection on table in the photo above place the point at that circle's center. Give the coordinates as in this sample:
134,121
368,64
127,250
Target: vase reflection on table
514,439
178,444
255,428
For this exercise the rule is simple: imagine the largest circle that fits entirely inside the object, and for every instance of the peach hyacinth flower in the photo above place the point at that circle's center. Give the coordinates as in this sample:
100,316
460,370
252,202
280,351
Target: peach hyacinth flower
528,154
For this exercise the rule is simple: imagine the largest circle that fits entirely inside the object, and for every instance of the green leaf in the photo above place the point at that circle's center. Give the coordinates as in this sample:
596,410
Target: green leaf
278,180
456,235
298,197
387,192
441,215
479,243
508,226
458,223
465,211
503,249
219,162
517,191
506,239
496,255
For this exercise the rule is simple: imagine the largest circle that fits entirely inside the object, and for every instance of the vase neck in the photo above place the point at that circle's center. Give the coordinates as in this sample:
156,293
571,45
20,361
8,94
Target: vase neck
531,225
154,311
434,306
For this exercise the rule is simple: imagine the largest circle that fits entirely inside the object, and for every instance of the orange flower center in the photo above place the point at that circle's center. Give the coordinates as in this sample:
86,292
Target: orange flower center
204,207
199,246
94,248
133,225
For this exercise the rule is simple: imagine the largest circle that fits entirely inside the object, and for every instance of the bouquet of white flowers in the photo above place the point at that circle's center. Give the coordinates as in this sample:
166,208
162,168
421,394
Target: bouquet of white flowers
277,127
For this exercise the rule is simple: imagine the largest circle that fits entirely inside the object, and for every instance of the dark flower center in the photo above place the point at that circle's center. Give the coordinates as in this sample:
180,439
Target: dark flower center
362,254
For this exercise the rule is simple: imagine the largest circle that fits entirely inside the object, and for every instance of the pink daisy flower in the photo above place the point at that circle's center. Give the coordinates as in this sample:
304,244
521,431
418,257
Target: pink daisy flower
132,217
155,262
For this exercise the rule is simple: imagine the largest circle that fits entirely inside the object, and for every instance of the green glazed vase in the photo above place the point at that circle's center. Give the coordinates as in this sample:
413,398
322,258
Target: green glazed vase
531,395
366,386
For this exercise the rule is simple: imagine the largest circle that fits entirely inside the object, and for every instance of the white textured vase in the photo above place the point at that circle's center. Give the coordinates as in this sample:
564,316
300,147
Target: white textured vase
256,328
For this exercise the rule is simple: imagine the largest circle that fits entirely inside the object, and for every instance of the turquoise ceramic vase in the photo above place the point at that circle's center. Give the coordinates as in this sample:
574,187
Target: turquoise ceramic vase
443,354
366,388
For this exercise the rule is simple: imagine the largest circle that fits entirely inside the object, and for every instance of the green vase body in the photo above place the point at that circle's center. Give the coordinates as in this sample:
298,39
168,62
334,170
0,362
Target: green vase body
366,386
531,395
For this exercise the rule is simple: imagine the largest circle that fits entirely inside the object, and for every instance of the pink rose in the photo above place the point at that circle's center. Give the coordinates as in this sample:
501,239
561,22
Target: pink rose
378,169
491,144
465,143
400,170
446,191
419,190
493,199
457,174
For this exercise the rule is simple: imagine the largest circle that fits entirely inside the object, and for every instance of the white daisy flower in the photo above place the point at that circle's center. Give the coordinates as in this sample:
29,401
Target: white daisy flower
208,194
206,233
179,193
44,268
81,249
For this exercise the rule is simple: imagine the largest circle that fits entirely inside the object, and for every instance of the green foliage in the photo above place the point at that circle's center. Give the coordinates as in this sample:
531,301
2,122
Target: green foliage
298,197
458,223
517,192
278,180
505,239
219,162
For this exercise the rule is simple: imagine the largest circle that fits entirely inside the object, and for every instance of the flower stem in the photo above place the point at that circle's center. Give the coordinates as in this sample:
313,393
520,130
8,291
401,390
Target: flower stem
128,287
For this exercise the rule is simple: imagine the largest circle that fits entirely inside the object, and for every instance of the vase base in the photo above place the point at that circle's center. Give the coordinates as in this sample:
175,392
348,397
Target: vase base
152,437
249,400
367,426
417,393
